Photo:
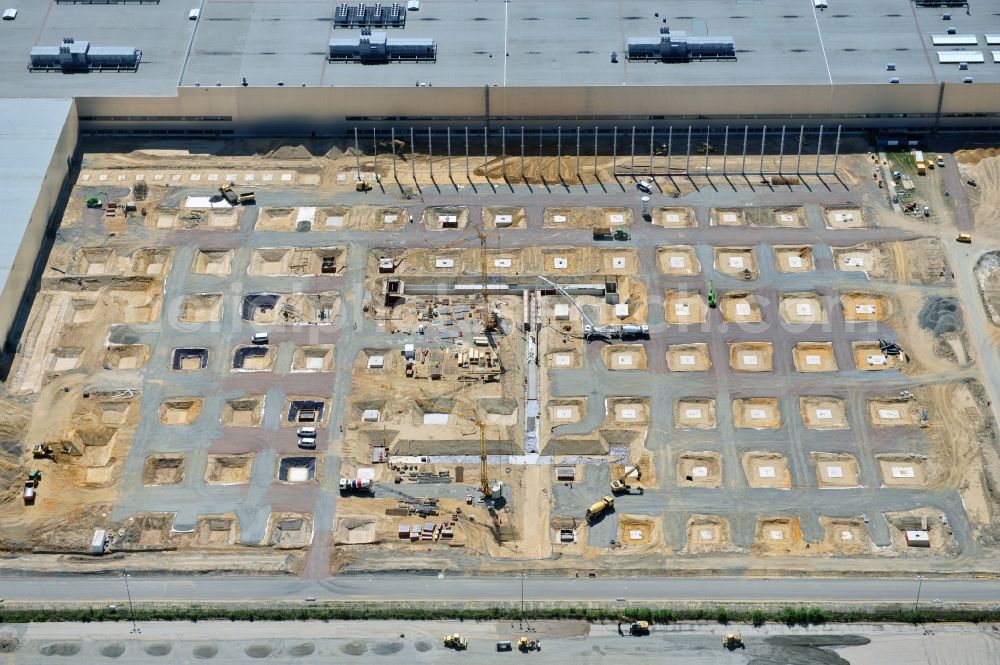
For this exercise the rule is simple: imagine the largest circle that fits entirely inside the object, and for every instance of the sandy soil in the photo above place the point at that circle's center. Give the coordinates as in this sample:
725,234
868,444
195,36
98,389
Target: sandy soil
893,412
902,470
740,307
794,258
835,470
688,358
766,470
751,356
823,413
624,356
756,413
866,306
684,307
673,217
844,218
814,357
737,261
706,534
678,260
727,217
694,413
801,308
504,217
778,536
699,469
868,357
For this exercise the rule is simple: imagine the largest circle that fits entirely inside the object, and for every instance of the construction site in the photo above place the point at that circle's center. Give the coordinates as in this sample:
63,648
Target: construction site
320,358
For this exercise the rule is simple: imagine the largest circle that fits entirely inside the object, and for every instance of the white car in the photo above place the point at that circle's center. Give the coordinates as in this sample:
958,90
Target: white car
645,186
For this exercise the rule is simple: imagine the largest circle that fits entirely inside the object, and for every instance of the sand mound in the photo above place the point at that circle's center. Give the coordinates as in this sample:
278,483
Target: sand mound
387,648
8,641
60,649
157,649
113,650
354,648
304,649
258,650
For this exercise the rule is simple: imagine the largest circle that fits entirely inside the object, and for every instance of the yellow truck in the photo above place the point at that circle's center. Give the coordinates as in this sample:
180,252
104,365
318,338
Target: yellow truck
599,507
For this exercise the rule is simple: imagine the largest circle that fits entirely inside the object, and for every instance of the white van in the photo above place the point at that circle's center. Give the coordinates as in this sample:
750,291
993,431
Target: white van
259,338
307,431
307,442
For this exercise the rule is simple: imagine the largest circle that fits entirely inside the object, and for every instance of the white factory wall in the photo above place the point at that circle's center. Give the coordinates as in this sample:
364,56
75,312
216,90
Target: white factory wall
297,110
31,241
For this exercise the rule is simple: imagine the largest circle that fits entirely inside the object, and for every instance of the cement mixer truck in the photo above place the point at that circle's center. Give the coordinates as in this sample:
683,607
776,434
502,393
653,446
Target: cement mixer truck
598,508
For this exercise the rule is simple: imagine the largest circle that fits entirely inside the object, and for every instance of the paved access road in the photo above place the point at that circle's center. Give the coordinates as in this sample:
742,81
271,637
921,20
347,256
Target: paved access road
431,588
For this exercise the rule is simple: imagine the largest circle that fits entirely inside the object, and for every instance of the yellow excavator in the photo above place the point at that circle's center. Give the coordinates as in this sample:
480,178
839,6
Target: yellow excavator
733,641
528,644
619,486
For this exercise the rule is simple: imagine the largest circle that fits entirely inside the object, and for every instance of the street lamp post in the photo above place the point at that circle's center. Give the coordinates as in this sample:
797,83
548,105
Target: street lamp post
131,607
920,583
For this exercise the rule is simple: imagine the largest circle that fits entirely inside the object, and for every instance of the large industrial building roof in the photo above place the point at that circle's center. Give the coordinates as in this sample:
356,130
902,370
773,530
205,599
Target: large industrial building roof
492,42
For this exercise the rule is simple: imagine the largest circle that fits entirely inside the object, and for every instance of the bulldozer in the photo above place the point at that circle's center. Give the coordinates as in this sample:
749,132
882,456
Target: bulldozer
362,186
528,644
231,197
456,642
733,641
41,451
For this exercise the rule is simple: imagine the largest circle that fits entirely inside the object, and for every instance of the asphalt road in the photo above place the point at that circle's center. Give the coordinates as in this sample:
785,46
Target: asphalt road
99,590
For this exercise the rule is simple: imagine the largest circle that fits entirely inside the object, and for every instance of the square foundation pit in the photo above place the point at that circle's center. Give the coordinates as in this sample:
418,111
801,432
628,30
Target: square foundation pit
756,413
217,530
823,413
627,411
694,413
727,217
737,261
253,358
802,308
305,411
201,308
229,469
614,217
751,356
684,307
699,469
619,261
94,261
777,536
868,357
313,358
688,358
706,534
903,470
836,470
189,359
164,469
564,359
893,413
216,262
444,218
563,412
814,357
789,217
794,258
152,261
298,469
568,218
844,218
180,410
766,470
673,217
243,411
65,359
125,356
504,217
740,307
678,260
636,530
865,307
624,356
289,530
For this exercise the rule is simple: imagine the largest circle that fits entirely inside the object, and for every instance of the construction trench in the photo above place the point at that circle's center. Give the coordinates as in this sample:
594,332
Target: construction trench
716,369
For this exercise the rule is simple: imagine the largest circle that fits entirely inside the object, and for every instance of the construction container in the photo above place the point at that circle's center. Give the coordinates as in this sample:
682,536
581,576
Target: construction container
99,542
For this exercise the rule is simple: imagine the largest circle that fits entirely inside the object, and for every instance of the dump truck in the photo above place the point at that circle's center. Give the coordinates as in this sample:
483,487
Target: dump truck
362,186
964,237
247,198
527,644
456,642
639,628
231,197
733,641
599,507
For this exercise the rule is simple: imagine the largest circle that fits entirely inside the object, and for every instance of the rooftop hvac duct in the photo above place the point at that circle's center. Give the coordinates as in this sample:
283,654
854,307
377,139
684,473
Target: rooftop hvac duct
376,47
80,56
679,47
361,15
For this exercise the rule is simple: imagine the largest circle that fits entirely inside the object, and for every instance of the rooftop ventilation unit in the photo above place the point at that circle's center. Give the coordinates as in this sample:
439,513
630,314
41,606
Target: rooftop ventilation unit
361,15
376,47
940,3
74,56
679,47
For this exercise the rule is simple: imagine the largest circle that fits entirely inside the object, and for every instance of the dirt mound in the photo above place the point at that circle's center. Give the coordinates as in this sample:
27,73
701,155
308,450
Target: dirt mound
975,156
387,648
941,316
206,651
354,648
8,641
60,649
423,646
304,649
113,650
258,650
157,649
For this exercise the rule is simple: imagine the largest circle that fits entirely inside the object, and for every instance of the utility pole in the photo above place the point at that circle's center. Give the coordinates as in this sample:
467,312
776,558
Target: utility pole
670,146
430,153
559,152
798,160
781,149
916,603
131,607
631,167
392,144
725,150
486,153
708,135
580,177
413,158
652,131
503,153
743,166
614,153
763,140
468,176
836,150
448,129
375,153
819,147
595,152
687,162
523,179
357,155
